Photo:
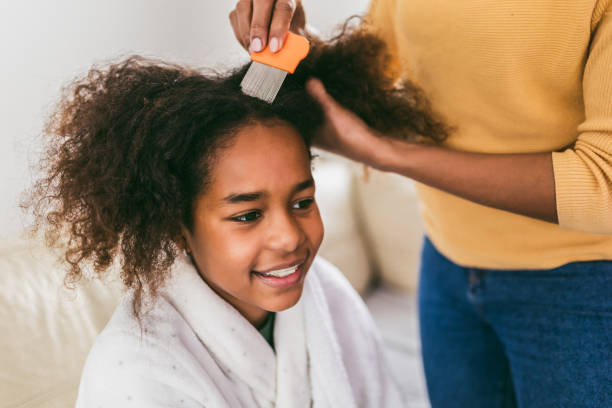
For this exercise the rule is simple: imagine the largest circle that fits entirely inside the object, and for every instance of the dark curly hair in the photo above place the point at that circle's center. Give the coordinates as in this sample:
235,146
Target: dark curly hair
131,145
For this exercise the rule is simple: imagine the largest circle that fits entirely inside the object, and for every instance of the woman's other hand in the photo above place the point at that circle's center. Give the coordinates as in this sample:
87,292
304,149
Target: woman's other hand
345,133
259,22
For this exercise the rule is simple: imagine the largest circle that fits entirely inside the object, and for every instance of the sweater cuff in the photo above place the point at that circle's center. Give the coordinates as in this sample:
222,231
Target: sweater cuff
582,192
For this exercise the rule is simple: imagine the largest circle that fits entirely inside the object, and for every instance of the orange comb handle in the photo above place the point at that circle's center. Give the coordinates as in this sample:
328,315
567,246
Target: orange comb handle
295,49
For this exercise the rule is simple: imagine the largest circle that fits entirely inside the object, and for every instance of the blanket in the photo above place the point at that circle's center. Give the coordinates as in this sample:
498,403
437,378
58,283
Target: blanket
193,349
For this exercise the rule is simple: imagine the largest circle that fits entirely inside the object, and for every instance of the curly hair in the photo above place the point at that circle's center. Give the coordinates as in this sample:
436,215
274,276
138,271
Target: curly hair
131,145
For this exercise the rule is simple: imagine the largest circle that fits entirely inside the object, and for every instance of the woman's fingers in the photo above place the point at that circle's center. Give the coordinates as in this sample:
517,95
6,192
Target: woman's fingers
262,11
259,22
342,119
281,20
325,137
343,132
317,91
298,22
240,19
236,27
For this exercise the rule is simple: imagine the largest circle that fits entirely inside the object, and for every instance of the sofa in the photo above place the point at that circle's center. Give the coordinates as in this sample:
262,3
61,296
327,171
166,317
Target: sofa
373,233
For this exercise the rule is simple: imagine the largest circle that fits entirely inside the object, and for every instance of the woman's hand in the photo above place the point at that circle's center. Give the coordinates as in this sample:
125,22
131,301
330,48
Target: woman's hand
259,22
345,133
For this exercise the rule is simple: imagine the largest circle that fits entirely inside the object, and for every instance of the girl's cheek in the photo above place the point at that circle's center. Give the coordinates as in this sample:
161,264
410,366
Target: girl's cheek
315,228
242,243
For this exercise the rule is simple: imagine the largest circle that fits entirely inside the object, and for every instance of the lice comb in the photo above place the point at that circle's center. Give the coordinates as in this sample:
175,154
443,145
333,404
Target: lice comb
268,70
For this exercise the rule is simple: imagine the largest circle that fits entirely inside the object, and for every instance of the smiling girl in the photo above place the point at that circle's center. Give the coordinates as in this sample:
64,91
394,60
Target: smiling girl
205,198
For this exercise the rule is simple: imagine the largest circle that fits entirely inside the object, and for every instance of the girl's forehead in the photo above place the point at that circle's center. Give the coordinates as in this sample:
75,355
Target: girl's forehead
261,157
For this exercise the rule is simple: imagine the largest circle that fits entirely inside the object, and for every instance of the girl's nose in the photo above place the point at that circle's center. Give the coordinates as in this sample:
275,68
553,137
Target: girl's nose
286,234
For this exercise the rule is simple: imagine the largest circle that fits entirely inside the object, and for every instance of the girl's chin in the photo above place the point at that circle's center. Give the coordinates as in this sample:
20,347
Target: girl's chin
283,301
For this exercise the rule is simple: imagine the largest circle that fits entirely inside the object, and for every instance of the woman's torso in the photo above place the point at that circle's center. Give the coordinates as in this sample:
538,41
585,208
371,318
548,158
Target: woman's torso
508,76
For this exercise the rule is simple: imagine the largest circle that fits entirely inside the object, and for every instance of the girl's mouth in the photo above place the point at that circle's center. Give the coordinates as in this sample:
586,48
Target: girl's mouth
281,273
282,278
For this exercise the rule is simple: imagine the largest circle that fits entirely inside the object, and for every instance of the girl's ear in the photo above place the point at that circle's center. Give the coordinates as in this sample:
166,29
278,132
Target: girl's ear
181,243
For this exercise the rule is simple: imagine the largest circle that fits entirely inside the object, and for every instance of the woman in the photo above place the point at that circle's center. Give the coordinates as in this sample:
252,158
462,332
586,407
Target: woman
514,298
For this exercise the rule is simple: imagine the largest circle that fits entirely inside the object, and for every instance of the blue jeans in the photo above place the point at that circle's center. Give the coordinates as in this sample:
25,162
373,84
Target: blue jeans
522,338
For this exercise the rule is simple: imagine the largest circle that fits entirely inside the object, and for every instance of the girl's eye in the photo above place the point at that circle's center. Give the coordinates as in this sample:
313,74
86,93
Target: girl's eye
247,217
303,204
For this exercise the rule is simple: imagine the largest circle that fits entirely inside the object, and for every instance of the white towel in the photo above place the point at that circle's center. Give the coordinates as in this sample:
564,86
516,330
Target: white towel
194,349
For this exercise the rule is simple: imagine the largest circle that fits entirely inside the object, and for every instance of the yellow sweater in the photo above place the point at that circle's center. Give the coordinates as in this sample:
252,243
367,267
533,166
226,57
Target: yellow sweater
515,76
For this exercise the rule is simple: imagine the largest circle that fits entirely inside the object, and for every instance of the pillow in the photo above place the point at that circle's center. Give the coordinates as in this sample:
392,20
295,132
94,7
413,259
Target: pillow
47,329
389,207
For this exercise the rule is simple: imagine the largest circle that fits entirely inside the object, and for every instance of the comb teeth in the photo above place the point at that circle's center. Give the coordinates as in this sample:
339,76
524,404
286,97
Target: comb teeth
262,81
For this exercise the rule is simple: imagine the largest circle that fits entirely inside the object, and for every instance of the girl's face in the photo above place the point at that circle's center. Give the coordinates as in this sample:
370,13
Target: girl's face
257,228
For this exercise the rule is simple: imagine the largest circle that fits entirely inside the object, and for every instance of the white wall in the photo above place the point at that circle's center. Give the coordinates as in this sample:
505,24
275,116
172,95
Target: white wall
44,44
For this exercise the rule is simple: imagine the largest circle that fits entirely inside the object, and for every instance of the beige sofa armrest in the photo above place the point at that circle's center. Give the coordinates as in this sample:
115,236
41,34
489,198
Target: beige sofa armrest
47,328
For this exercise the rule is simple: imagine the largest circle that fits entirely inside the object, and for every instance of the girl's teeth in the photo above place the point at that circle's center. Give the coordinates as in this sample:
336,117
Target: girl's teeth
281,273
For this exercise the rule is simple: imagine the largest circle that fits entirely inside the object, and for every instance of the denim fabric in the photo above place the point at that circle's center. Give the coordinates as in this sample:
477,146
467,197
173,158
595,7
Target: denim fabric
521,338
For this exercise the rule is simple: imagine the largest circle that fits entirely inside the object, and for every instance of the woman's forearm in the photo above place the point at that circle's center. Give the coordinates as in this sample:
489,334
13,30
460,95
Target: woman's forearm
519,183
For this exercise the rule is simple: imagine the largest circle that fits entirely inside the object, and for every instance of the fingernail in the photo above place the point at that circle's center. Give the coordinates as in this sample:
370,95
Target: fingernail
274,45
256,45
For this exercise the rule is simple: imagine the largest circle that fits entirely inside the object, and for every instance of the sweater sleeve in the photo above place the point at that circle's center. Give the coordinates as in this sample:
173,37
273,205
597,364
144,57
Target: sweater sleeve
583,173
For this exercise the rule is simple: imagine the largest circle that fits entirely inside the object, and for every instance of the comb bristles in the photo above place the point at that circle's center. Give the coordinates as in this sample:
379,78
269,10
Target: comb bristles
263,81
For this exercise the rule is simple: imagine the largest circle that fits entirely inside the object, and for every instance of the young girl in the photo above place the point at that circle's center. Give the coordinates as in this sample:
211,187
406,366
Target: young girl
205,198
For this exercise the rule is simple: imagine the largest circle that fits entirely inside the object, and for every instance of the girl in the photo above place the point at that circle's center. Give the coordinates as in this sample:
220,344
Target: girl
205,198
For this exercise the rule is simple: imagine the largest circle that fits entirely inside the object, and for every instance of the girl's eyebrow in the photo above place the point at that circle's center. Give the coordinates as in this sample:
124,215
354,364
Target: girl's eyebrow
303,185
243,197
256,195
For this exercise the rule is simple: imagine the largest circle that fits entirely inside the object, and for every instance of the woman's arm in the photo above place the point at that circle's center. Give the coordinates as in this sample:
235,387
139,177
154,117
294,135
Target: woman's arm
520,183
